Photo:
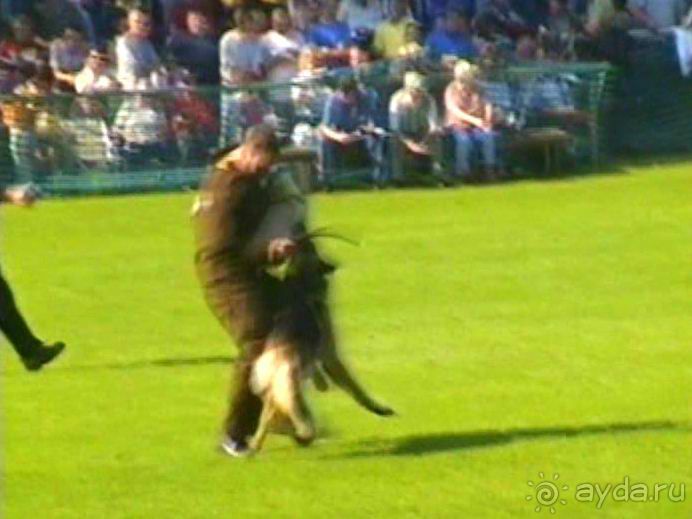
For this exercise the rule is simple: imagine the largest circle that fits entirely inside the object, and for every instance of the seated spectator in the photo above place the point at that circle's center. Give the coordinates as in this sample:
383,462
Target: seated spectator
527,49
194,123
470,118
19,117
54,147
508,109
142,127
67,57
431,10
390,35
413,48
96,75
329,32
197,49
414,124
243,109
348,126
135,55
282,39
361,14
244,56
40,84
93,144
550,98
453,38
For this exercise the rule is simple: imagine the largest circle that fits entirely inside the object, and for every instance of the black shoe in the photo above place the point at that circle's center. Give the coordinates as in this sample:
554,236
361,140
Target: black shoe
42,355
235,448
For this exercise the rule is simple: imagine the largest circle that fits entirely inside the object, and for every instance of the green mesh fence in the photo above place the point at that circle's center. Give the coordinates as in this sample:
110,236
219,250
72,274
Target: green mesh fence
144,141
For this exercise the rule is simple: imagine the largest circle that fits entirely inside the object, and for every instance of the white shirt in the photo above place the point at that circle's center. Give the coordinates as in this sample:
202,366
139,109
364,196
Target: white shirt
136,59
87,82
281,44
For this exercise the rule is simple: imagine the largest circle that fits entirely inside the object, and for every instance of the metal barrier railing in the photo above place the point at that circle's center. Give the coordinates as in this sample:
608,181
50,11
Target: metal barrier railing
162,140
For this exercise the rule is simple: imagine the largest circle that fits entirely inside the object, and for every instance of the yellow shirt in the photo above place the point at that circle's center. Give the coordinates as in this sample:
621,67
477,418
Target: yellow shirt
390,37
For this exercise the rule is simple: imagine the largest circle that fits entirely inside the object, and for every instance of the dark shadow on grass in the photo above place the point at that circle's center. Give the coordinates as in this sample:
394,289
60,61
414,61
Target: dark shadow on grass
437,443
157,363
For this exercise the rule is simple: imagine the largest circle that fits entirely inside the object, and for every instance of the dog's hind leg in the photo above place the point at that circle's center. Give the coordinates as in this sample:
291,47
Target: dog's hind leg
302,421
293,404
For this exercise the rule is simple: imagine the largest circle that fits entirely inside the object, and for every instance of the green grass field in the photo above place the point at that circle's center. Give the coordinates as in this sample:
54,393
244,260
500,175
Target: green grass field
517,329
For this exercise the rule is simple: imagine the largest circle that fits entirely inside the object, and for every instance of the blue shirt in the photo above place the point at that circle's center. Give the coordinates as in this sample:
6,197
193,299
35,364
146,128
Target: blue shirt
330,35
347,115
441,43
197,54
426,12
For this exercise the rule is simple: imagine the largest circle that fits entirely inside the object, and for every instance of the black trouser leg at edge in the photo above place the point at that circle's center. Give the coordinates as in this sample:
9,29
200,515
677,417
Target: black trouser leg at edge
13,325
245,407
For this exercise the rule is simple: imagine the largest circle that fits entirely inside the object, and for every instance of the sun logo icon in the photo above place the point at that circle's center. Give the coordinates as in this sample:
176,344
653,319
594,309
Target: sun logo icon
547,493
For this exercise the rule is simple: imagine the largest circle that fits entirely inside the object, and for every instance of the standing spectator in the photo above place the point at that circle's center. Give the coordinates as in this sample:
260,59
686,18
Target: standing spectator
348,112
282,39
599,18
562,28
470,118
67,56
659,14
22,48
304,13
499,17
361,14
53,17
330,32
96,75
413,121
19,51
136,57
197,48
390,35
244,56
453,38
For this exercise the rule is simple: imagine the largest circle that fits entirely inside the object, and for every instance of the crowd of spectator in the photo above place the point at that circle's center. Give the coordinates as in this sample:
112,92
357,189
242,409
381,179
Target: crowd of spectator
136,49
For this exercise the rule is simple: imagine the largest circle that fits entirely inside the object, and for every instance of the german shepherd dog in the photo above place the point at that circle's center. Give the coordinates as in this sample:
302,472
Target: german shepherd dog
301,346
